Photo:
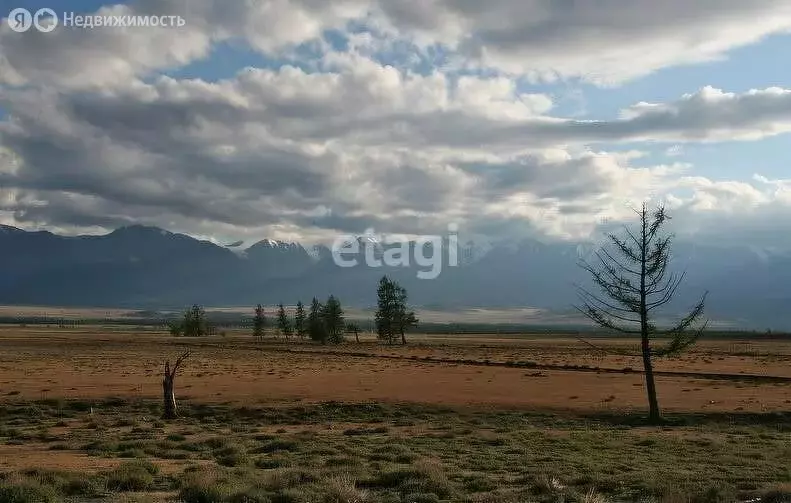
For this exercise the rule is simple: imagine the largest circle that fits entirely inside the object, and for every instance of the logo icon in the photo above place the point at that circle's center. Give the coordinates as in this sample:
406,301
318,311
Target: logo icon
20,20
45,13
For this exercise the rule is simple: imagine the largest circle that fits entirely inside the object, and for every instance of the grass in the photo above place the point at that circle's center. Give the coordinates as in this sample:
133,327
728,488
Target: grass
336,452
132,476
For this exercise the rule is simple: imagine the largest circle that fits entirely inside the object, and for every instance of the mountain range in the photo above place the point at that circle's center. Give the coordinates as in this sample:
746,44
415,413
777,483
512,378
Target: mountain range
147,267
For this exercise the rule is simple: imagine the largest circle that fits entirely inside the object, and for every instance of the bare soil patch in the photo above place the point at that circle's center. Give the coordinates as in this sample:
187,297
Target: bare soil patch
39,363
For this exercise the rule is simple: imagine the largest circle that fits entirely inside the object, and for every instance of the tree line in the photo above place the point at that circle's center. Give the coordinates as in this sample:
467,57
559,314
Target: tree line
321,322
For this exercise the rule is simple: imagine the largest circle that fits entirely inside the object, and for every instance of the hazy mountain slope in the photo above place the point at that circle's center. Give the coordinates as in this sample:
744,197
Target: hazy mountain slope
148,267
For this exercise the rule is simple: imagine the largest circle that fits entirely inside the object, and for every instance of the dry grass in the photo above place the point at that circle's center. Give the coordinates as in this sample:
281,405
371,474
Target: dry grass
367,423
40,363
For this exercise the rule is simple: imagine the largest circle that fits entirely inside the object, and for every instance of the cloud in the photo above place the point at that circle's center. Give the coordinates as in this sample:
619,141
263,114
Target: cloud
98,57
709,115
95,135
264,151
605,42
246,152
729,213
713,115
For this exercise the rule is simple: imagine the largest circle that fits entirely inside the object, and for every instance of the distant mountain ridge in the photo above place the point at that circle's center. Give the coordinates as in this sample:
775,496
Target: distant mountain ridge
149,267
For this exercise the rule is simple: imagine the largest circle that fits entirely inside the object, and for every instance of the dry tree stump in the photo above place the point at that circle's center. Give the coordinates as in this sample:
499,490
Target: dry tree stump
168,382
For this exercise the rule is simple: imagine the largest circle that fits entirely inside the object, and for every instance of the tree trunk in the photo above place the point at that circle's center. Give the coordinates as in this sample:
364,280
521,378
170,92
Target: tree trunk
654,416
168,384
403,339
357,336
169,398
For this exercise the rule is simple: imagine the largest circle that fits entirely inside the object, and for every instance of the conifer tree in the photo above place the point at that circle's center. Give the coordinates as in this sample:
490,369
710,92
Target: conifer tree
393,317
333,320
283,321
634,281
259,322
299,320
316,329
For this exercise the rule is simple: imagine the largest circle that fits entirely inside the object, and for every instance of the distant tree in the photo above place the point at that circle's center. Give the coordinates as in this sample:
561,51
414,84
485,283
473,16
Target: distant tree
634,281
393,317
193,323
354,328
333,320
176,328
404,317
259,322
299,320
283,321
317,331
386,306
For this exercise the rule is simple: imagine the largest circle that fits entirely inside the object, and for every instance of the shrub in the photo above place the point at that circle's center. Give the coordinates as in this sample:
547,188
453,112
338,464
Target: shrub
343,490
277,445
422,478
26,491
80,486
201,486
230,456
779,494
57,482
132,476
252,495
201,493
287,478
269,463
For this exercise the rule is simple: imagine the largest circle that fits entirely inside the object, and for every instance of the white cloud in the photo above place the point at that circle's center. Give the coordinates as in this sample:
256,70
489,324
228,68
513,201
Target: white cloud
106,56
607,42
247,151
270,148
714,115
98,57
604,42
96,137
733,213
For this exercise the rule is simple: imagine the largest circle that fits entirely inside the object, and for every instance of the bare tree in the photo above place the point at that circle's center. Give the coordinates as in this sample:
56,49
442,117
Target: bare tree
633,286
168,381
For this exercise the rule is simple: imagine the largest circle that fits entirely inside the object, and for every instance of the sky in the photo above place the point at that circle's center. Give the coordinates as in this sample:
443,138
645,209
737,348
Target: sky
303,120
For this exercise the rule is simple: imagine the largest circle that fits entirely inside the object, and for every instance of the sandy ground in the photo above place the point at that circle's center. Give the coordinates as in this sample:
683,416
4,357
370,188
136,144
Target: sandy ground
95,363
40,457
